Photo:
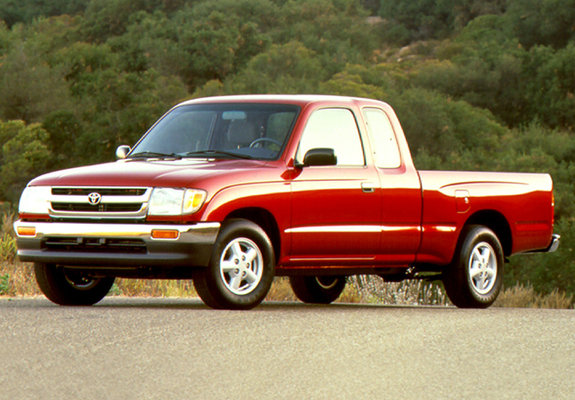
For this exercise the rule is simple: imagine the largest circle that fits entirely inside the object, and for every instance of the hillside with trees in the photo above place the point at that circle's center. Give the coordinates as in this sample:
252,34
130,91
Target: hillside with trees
477,84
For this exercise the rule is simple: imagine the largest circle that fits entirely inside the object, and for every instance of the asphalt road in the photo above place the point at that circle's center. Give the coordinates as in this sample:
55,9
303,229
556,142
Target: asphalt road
179,349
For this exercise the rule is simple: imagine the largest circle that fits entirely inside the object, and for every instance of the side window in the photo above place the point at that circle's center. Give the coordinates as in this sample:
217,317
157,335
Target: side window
333,128
385,149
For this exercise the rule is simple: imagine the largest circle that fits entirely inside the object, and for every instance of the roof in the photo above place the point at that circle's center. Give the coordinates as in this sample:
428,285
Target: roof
299,99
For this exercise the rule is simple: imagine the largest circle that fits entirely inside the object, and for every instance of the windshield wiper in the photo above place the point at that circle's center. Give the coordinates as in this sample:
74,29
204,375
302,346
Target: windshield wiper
152,154
216,153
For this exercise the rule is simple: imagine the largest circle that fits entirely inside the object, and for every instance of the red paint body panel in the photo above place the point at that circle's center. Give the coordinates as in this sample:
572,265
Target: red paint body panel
324,215
523,199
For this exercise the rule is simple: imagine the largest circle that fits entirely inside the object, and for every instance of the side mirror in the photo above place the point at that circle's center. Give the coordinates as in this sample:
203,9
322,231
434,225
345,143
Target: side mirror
122,152
319,157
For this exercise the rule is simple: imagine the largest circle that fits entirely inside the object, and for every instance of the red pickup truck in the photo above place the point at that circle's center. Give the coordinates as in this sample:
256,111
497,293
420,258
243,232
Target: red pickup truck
232,191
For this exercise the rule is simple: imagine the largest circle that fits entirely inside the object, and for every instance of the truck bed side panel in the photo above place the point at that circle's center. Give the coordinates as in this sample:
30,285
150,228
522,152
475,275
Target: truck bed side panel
450,199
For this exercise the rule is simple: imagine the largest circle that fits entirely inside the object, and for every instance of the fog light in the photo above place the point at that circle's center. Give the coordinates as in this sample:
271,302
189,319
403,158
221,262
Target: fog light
165,234
26,231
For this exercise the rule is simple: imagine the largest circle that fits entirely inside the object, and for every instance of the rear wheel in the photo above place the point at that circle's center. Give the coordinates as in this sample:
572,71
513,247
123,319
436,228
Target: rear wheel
317,289
241,269
71,288
474,278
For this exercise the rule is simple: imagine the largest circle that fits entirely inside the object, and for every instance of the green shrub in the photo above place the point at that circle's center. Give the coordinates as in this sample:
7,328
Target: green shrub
547,272
4,284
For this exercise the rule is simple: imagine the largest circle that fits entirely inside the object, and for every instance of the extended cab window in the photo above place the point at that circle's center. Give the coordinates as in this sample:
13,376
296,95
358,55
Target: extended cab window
385,150
333,128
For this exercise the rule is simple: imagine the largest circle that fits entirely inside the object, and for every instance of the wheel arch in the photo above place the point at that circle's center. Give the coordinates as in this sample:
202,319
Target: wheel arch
495,221
265,220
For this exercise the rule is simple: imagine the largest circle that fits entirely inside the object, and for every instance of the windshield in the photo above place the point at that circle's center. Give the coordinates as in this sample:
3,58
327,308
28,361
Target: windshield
257,131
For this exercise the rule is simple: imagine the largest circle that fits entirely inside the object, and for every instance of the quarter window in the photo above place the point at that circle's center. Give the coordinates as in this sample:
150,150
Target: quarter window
333,128
384,143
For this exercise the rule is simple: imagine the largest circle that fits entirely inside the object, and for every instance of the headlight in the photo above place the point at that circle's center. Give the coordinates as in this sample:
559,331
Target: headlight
34,200
168,201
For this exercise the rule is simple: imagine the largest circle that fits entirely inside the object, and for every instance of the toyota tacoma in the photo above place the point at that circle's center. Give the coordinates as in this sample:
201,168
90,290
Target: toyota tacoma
232,191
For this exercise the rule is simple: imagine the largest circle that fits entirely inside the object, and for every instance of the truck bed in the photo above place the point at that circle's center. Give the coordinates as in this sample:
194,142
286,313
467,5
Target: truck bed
524,198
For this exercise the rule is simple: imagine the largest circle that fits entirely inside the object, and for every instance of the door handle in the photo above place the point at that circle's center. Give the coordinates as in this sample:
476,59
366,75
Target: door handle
367,187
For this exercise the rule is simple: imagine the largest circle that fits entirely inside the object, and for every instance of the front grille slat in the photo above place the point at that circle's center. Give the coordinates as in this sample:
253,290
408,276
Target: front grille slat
61,191
103,207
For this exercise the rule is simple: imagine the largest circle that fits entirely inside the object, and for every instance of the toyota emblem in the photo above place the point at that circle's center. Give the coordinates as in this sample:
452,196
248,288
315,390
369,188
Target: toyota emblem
94,198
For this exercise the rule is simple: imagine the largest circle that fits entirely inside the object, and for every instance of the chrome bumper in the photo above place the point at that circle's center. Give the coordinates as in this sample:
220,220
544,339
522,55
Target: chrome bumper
202,230
88,243
554,243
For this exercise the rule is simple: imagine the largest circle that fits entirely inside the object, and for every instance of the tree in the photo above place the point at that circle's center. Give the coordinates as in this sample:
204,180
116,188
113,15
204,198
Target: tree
428,19
458,135
108,18
483,66
28,86
217,43
289,68
115,105
346,83
547,272
551,85
24,155
63,128
14,11
544,22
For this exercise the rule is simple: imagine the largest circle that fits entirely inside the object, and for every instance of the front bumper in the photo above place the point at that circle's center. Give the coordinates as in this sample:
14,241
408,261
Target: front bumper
118,245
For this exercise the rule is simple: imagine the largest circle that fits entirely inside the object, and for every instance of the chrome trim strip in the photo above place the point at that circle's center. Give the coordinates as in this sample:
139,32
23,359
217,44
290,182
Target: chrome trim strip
100,187
336,229
443,228
207,230
140,214
352,229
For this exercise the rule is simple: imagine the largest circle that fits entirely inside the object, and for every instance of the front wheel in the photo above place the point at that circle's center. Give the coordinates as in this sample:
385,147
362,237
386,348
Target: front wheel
71,288
317,289
241,269
474,278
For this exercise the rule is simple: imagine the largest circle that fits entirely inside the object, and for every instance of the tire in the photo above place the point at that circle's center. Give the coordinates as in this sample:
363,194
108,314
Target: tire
70,288
317,289
475,276
241,270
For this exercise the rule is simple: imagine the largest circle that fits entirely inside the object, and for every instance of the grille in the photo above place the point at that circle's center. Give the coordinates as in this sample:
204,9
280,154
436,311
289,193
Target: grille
95,245
108,207
74,203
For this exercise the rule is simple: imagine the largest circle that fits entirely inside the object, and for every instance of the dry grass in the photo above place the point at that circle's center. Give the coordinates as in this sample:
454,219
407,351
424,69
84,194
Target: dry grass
17,279
525,296
281,291
373,289
154,288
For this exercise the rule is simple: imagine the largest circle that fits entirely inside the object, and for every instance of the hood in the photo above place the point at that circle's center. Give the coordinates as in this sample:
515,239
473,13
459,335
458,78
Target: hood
145,173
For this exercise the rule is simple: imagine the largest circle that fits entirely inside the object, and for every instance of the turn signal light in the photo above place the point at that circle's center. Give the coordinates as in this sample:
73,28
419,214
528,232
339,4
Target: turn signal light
165,234
26,231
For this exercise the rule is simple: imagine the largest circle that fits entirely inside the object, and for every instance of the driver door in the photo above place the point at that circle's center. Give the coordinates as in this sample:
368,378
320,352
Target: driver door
335,208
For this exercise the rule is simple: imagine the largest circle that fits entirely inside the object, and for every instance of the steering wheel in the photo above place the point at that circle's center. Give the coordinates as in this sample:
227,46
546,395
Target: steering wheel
265,139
